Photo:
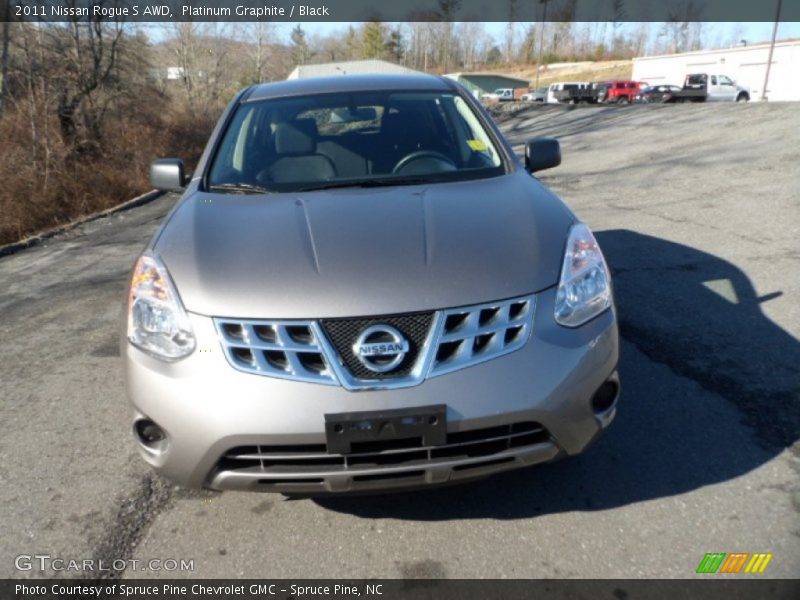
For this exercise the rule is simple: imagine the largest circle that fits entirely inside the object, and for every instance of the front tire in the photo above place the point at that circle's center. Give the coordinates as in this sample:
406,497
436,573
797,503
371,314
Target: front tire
743,97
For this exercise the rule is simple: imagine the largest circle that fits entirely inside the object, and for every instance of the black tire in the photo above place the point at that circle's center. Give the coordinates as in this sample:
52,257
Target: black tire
743,97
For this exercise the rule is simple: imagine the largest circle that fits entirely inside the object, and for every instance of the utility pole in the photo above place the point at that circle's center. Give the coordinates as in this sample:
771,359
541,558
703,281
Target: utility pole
771,50
541,43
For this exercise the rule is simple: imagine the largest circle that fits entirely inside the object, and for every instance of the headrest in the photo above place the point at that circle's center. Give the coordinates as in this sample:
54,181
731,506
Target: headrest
407,128
296,137
401,123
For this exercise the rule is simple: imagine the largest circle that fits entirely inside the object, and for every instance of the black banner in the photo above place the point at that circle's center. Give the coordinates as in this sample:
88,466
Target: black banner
728,588
401,10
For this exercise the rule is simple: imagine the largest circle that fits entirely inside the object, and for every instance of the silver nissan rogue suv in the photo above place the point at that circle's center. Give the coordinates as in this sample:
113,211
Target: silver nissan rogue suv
363,288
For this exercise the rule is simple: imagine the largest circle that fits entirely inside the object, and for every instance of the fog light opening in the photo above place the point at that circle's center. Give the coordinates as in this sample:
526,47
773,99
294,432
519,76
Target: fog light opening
150,435
605,396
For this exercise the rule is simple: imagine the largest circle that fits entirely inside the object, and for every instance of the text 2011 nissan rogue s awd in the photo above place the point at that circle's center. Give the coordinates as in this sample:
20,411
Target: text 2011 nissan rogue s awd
362,288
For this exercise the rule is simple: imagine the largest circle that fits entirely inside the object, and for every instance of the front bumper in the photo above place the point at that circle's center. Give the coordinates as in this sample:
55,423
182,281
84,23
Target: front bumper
232,430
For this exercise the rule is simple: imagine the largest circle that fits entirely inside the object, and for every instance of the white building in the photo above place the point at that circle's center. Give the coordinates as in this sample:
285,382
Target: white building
745,64
166,73
348,67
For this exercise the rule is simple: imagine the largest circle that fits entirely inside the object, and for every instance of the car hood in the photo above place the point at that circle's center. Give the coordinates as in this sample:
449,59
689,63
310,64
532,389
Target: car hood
364,251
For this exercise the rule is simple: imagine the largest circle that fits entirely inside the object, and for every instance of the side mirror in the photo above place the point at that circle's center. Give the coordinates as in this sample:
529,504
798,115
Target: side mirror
542,153
167,174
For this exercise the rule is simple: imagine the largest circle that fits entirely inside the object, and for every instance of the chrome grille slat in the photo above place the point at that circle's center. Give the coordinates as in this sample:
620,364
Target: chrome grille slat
460,334
479,446
470,341
466,333
322,455
288,348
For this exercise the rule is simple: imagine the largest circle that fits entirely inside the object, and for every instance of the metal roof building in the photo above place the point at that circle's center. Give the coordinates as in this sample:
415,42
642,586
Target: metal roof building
747,65
485,83
348,67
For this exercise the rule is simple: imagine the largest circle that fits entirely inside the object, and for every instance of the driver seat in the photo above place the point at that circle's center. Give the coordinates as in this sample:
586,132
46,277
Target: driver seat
404,131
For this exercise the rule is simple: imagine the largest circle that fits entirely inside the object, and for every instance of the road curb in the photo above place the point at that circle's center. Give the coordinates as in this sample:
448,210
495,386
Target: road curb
35,240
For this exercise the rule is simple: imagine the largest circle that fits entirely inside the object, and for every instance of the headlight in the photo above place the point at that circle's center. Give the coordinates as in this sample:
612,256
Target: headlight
157,322
584,290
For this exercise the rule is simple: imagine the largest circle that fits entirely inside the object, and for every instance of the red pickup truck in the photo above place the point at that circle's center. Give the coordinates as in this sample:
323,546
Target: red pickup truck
618,92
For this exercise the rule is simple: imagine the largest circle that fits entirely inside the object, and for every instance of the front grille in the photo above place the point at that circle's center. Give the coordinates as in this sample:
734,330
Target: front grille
321,351
297,460
479,333
343,334
283,349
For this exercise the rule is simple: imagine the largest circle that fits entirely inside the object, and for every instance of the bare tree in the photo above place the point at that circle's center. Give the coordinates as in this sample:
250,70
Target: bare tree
185,51
640,39
262,35
620,15
424,43
527,48
447,11
334,46
678,32
510,44
89,52
205,65
6,14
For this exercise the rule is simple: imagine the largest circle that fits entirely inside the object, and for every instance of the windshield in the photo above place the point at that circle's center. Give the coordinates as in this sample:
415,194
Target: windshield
357,138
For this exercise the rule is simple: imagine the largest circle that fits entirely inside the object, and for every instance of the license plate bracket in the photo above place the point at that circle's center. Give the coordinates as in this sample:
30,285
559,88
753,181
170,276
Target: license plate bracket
429,423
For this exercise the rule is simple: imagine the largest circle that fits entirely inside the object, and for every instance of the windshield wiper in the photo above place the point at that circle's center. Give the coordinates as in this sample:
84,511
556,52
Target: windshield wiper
242,188
367,183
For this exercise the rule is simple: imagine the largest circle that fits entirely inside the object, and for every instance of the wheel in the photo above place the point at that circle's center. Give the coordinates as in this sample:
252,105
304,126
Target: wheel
624,100
418,155
743,97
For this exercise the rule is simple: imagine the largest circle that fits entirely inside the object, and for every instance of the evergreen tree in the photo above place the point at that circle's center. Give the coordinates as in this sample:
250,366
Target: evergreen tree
395,45
373,39
299,45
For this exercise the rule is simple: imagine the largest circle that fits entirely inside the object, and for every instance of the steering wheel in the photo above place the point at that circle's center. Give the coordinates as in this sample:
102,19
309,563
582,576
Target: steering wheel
419,154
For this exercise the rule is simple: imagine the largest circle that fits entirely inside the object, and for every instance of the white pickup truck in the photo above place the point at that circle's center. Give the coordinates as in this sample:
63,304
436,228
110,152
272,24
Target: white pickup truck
710,87
501,94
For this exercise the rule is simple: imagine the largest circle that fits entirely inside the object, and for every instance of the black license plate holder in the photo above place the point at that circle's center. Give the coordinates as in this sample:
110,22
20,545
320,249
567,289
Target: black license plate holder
429,423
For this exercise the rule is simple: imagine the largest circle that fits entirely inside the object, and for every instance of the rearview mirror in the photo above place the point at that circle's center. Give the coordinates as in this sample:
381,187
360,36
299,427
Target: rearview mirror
542,153
167,174
344,115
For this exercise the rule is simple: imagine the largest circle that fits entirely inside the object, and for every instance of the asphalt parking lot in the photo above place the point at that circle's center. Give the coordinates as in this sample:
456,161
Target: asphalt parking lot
696,207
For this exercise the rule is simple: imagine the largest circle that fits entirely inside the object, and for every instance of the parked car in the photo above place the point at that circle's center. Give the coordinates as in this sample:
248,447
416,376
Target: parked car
571,93
654,94
539,95
363,288
501,95
710,87
618,92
